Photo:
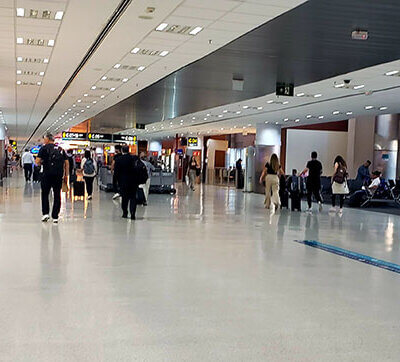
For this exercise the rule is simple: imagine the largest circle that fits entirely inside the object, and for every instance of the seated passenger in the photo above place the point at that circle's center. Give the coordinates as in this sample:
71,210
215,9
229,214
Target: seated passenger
376,181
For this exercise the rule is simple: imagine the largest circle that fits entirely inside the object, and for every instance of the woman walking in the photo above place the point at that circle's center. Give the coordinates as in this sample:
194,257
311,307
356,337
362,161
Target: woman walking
339,184
192,172
89,172
270,175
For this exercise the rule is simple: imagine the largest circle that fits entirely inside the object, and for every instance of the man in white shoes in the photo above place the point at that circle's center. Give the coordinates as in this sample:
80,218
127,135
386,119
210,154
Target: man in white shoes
314,171
55,170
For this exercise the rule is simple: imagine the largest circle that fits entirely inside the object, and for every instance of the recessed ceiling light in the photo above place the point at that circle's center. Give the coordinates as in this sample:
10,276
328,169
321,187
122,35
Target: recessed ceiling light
125,80
39,83
103,77
321,117
193,117
285,102
392,72
276,122
41,74
339,85
270,101
87,106
116,66
249,125
300,94
82,110
359,86
102,96
93,87
59,15
50,43
220,115
161,27
317,95
369,107
225,111
297,120
85,95
164,53
266,122
308,116
19,71
245,107
69,109
259,108
135,50
94,102
19,82
335,112
383,108
205,118
349,113
74,105
79,100
208,114
196,30
112,89
45,60
20,12
238,112
19,59
142,67
20,40
285,119
222,128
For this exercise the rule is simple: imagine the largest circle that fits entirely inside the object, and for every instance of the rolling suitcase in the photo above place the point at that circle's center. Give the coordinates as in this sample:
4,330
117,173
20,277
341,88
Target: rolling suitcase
79,189
296,201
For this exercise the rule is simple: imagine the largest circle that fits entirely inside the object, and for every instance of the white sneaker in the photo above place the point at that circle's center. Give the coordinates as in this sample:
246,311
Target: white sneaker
55,221
89,197
320,206
116,195
45,218
272,209
309,210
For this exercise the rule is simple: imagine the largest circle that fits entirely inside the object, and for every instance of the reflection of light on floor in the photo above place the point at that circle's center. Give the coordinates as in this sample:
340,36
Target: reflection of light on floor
389,232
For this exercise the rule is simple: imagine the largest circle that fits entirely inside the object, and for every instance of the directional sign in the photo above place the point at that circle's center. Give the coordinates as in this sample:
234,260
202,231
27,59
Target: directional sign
193,141
74,136
124,138
100,137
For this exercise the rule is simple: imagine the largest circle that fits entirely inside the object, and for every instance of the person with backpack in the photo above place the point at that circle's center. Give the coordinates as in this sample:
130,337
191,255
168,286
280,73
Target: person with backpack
339,184
89,168
55,170
130,172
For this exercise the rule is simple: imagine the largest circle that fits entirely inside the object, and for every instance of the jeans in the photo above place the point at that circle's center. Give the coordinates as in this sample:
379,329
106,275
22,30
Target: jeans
313,189
28,167
129,198
89,184
51,182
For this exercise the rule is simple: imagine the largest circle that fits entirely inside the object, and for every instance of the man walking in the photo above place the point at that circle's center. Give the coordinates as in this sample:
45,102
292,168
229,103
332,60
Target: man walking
314,170
150,168
55,169
125,174
27,162
115,180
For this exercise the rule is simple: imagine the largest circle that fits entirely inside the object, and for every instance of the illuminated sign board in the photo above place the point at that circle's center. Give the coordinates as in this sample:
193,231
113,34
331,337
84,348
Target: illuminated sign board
35,150
124,138
100,137
74,136
193,141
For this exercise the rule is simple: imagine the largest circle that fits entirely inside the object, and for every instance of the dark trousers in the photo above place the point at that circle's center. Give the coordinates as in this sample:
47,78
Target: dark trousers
28,171
128,198
313,189
115,185
341,200
48,183
89,184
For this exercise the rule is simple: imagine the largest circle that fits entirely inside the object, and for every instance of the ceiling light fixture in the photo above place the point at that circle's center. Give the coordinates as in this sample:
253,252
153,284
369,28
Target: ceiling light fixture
285,119
20,40
50,43
82,110
39,83
220,115
87,106
297,120
238,112
259,108
335,112
384,108
317,95
85,95
196,30
19,82
79,100
164,53
59,15
135,50
161,27
117,66
103,77
142,67
19,59
94,102
245,107
321,117
300,94
20,12
368,107
19,71
93,87
340,85
225,111
41,74
349,113
392,72
309,116
125,80
45,60
285,102
270,101
102,96
112,89
359,86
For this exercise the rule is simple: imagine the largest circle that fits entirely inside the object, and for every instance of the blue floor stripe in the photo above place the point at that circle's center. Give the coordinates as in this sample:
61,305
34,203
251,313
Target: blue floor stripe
352,255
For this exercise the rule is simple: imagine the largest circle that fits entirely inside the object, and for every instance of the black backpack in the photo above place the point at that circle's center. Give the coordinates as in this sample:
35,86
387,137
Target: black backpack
56,161
340,175
141,175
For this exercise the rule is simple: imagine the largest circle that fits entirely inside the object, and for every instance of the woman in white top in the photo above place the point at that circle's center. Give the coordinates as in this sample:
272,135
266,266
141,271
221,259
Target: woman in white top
89,167
339,183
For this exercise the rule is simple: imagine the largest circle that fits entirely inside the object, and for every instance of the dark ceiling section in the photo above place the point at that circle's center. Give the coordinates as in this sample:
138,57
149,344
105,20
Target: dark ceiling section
309,43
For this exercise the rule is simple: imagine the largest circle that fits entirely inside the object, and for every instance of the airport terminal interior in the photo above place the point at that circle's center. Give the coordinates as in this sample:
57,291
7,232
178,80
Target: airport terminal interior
199,180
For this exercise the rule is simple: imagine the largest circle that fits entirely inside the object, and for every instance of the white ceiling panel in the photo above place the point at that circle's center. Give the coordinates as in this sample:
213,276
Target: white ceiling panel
198,13
245,18
223,5
265,10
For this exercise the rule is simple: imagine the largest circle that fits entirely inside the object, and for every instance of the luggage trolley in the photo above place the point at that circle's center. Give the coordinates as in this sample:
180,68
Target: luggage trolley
162,182
105,179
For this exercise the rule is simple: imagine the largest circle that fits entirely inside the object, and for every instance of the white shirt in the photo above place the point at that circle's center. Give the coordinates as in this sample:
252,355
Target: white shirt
375,183
27,157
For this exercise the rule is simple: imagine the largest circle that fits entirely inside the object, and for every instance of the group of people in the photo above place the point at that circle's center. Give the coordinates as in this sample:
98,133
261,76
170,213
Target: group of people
272,172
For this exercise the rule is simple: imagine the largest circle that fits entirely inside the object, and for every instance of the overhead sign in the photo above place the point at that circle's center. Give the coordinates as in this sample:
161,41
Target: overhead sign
140,126
124,138
74,136
100,137
193,141
285,89
35,150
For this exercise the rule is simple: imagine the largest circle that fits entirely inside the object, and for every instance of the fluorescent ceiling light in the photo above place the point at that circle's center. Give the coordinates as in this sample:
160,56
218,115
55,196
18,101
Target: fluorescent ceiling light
369,107
141,68
41,74
383,108
74,105
238,112
220,115
45,60
225,111
59,15
300,94
79,100
20,40
349,113
285,119
270,101
50,43
297,120
245,107
193,117
19,71
102,96
19,59
285,102
93,87
161,27
135,50
392,72
308,116
321,117
117,66
85,95
317,95
340,85
87,106
69,109
94,102
359,86
19,82
20,12
259,108
103,77
82,110
112,89
39,83
164,53
125,80
196,30
335,112
205,119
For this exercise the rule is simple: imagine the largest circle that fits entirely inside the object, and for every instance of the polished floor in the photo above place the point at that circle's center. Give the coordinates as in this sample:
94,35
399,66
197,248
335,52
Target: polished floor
203,276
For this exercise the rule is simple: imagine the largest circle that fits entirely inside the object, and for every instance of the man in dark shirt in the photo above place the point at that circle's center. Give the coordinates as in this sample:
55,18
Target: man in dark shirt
314,170
125,173
363,174
115,181
55,169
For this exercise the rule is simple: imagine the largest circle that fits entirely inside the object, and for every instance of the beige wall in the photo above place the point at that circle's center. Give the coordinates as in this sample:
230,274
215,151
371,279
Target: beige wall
360,143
